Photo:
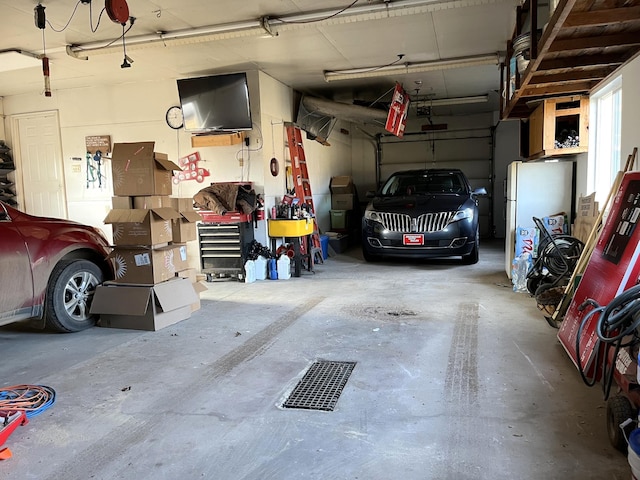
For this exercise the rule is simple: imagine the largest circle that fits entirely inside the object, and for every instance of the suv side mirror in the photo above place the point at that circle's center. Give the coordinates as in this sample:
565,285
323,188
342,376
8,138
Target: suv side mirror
370,194
479,191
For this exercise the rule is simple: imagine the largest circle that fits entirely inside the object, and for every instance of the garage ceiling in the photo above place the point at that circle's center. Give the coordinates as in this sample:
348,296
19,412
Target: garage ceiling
294,41
367,35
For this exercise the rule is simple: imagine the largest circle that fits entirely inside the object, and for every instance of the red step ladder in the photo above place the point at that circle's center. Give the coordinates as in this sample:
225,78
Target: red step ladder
302,187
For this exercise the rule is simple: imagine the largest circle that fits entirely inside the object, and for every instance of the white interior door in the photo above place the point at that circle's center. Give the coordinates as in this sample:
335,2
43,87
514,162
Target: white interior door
39,162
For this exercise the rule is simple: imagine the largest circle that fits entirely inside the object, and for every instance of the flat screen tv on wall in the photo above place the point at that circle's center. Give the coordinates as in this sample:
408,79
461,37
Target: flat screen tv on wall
217,103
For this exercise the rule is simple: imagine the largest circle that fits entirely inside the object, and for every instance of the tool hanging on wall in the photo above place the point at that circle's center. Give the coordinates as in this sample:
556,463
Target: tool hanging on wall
94,174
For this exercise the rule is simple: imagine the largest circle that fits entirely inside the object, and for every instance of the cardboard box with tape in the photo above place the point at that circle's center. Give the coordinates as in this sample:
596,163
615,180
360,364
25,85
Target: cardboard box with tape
142,226
144,307
137,170
146,265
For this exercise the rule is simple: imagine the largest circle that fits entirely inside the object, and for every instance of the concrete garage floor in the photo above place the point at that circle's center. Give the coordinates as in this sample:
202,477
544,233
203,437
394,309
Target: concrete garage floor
457,377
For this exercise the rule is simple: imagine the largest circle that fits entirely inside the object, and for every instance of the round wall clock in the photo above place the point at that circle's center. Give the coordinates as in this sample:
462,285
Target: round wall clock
174,117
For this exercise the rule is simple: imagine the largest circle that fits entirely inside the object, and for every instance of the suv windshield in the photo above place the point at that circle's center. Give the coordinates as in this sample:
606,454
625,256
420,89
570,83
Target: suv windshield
421,184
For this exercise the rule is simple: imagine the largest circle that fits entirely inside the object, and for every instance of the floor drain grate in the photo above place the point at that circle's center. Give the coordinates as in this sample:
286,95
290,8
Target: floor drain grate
321,386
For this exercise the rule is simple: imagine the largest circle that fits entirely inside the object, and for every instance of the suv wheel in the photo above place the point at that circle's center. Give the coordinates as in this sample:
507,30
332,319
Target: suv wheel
473,257
368,257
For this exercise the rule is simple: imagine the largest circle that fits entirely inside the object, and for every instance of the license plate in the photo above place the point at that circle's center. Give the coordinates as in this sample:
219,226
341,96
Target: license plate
413,239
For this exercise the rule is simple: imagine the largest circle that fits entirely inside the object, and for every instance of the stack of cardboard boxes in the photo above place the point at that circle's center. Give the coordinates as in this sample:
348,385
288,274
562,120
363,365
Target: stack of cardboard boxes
153,285
343,202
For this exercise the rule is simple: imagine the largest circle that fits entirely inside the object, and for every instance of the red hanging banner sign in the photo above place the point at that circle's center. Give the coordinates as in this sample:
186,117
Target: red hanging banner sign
398,111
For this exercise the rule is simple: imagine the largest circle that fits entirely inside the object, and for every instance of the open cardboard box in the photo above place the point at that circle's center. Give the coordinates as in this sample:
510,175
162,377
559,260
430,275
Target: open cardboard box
144,307
137,170
142,226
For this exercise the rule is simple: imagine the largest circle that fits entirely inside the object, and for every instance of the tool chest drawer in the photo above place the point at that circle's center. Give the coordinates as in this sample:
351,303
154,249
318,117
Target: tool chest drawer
223,248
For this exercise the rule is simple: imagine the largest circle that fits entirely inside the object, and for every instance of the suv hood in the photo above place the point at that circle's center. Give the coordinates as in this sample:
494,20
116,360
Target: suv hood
419,204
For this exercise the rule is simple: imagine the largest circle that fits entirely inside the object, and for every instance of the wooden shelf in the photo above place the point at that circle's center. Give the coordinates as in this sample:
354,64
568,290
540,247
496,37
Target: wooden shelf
217,139
581,45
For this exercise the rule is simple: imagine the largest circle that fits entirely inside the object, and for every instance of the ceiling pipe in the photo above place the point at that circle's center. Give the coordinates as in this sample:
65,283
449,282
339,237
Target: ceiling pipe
406,68
273,26
345,111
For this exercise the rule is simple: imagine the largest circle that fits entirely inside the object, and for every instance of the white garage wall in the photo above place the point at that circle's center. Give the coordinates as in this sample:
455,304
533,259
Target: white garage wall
507,150
136,112
630,133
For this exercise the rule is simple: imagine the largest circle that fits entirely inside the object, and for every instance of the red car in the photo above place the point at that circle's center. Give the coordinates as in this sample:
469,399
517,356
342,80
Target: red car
49,269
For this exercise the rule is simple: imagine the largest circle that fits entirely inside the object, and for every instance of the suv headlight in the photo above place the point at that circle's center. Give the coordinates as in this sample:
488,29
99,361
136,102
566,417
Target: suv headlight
462,214
372,215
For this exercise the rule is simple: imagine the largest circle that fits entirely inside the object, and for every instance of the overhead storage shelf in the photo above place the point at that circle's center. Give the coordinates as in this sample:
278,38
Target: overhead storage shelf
583,42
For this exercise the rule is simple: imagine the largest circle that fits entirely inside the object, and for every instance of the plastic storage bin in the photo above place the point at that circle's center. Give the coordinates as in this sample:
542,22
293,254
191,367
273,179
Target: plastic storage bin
324,243
339,219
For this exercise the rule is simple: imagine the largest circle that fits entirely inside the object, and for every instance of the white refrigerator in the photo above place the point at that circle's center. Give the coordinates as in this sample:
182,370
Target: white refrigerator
535,189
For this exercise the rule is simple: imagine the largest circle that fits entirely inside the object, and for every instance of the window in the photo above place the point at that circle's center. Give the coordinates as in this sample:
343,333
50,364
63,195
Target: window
604,141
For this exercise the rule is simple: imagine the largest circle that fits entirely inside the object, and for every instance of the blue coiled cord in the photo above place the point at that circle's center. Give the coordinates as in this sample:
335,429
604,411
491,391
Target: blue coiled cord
32,399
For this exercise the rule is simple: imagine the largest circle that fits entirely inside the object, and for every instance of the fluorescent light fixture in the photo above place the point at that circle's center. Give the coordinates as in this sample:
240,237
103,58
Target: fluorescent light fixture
439,102
17,60
272,26
403,69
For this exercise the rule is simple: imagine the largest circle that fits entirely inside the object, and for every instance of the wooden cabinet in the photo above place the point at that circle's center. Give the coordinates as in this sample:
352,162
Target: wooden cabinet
559,126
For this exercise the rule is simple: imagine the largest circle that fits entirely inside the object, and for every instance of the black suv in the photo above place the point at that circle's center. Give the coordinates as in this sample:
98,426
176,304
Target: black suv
423,213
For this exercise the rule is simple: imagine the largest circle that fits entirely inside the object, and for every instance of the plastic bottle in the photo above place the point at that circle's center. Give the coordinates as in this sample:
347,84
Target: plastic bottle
261,267
273,270
284,267
519,272
249,271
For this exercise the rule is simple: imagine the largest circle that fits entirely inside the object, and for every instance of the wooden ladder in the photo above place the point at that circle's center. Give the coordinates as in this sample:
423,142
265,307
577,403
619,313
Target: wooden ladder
302,187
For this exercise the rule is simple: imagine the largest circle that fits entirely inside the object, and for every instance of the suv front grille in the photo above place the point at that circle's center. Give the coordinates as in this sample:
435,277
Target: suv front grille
429,222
